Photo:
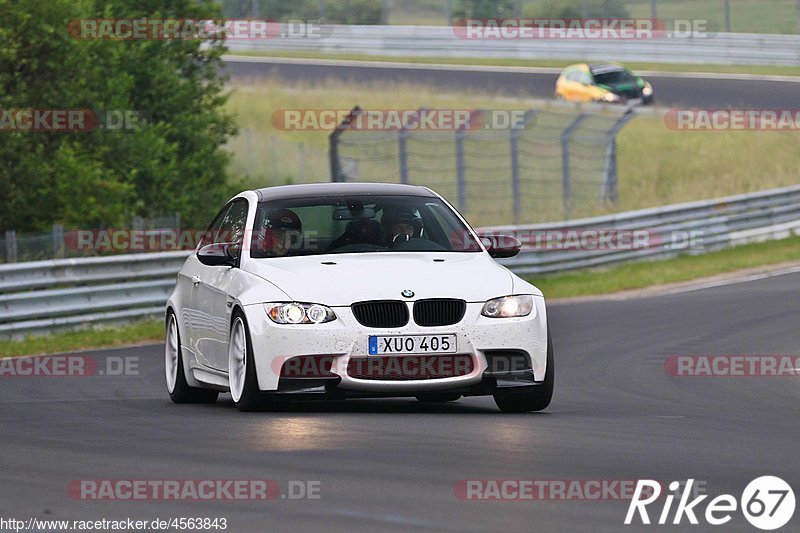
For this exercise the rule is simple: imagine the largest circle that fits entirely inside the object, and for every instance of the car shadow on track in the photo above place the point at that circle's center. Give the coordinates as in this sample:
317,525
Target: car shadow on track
375,405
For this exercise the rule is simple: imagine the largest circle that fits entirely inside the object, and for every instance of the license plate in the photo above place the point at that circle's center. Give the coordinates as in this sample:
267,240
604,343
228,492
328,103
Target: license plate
412,344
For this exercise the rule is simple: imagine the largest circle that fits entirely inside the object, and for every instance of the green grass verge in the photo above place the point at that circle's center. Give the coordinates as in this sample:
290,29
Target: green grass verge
69,341
765,70
685,268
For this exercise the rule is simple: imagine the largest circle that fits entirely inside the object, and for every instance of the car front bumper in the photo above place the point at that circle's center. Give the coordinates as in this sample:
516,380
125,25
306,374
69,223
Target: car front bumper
344,339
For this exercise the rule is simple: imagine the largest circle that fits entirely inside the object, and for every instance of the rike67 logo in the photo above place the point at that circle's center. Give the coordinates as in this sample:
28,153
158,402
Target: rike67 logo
767,503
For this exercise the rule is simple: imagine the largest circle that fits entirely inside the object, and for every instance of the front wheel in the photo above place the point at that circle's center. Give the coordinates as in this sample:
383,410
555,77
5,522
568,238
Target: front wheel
536,400
241,368
177,387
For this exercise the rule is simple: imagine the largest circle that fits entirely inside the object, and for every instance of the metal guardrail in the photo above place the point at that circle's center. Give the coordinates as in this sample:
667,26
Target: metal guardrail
689,228
442,41
47,295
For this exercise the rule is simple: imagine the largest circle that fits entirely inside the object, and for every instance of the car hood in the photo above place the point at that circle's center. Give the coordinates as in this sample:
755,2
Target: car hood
474,277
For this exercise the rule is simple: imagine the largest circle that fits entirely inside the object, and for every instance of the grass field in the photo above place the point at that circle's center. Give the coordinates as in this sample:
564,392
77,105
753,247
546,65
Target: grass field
746,16
657,165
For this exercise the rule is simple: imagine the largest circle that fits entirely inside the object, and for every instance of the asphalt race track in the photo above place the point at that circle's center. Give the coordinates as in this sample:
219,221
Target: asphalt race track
699,90
392,464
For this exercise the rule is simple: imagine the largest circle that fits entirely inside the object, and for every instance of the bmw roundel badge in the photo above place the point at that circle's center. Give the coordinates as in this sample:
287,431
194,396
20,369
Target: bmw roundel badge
408,293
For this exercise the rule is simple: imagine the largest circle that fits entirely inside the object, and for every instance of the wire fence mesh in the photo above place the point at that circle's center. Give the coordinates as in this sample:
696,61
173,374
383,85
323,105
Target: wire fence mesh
60,243
550,165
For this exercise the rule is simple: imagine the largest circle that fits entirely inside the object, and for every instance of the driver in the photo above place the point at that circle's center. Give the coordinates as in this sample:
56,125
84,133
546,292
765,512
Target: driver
401,225
281,229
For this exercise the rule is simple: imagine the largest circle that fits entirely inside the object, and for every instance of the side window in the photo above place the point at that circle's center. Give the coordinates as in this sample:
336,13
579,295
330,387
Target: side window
586,78
573,75
233,225
213,228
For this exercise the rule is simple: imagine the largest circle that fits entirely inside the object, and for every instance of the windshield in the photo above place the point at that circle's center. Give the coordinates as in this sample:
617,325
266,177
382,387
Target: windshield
358,224
613,76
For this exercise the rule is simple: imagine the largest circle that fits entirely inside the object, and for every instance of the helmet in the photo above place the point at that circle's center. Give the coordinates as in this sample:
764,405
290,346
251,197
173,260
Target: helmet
400,215
271,239
282,219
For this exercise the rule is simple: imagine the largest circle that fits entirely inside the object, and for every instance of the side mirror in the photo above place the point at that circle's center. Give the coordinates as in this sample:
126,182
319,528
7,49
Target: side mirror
501,246
219,254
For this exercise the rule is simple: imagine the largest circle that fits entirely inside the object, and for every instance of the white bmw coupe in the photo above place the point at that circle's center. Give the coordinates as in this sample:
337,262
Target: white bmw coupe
344,290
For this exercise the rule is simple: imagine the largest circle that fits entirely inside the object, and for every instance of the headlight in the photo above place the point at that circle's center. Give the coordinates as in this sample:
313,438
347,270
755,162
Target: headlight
647,90
508,306
609,97
297,313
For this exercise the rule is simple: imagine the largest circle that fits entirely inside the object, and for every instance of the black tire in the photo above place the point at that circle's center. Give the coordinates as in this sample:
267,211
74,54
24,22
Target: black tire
539,397
183,393
252,399
438,397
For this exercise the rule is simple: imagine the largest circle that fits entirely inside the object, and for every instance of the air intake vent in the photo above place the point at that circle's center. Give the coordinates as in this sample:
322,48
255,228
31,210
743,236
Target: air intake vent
381,313
439,312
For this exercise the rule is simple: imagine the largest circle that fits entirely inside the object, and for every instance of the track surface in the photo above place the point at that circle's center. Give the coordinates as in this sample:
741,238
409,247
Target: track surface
391,464
671,90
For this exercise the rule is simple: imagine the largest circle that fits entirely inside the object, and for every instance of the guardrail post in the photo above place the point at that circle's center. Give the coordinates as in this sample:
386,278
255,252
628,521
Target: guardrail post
333,145
11,246
566,185
58,240
516,188
608,190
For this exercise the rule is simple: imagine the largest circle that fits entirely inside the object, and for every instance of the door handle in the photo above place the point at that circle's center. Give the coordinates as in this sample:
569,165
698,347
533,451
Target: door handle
196,280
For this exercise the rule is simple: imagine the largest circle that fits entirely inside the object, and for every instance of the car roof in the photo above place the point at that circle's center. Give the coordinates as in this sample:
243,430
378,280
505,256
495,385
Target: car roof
602,69
283,192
